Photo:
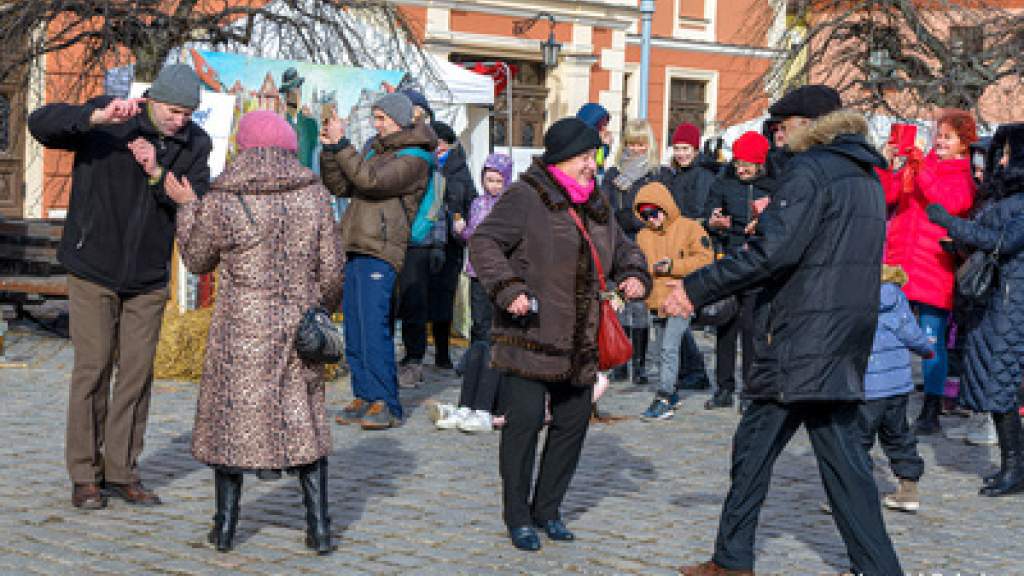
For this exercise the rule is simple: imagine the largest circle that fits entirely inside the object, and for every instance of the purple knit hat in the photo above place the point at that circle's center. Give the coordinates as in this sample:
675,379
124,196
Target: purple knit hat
502,164
265,129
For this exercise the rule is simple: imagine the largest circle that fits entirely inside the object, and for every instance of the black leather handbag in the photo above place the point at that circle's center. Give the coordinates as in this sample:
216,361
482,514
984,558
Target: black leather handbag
317,340
977,275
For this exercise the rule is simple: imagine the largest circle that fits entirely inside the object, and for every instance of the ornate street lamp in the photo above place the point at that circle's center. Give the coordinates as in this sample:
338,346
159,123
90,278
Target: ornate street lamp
550,48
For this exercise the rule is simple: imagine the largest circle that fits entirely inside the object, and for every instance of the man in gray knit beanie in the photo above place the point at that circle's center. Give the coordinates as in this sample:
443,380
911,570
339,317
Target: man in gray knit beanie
396,106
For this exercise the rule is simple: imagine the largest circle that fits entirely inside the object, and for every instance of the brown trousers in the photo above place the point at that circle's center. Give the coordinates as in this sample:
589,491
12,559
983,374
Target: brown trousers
105,431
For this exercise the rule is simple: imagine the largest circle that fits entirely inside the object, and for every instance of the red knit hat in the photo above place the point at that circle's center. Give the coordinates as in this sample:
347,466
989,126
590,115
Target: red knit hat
686,133
751,147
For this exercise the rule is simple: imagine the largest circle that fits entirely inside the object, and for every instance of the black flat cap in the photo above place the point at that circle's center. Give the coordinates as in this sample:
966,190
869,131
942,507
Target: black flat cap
810,101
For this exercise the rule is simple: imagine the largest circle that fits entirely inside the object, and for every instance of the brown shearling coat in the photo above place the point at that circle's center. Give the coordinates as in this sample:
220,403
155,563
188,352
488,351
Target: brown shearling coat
385,190
260,406
530,244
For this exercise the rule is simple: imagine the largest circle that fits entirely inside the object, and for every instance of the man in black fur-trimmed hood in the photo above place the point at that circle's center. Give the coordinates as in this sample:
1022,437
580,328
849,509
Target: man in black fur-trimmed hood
817,259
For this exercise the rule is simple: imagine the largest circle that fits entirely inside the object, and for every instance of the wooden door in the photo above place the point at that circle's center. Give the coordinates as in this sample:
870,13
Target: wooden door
12,147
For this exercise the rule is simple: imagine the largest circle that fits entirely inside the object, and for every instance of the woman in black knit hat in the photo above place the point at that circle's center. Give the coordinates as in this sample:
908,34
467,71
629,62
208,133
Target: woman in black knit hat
532,258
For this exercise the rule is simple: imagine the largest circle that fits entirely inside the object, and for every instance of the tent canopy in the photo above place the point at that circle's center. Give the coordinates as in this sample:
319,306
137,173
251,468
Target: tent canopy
465,87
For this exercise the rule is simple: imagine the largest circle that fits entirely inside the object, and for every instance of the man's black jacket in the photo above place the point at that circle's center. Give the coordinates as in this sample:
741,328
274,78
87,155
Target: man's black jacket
120,228
459,191
818,258
734,197
690,187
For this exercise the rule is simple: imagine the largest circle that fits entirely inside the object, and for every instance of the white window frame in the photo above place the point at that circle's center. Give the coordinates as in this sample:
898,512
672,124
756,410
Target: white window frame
710,95
707,34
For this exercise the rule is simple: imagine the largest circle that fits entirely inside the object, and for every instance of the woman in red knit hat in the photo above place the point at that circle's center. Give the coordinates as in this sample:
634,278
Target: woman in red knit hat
737,197
943,176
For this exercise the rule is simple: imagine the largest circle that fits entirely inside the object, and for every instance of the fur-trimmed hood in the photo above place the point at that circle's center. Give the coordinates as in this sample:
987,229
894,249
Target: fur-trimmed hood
844,132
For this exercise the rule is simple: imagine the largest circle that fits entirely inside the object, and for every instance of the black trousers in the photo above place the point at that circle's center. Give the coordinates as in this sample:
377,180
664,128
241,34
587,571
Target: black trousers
764,430
725,344
479,381
414,301
691,361
887,419
481,311
522,402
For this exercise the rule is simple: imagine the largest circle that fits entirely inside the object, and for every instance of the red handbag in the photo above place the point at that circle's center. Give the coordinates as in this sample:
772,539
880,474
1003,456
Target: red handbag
613,346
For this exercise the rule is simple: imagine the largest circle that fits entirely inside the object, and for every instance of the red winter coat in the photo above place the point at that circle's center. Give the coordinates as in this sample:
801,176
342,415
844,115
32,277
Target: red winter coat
912,242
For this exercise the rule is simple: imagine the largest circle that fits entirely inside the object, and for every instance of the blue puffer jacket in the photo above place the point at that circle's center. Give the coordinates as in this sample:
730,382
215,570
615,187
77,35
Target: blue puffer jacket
897,334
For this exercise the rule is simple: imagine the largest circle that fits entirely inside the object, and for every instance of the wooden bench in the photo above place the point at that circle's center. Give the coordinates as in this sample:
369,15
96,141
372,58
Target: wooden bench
29,269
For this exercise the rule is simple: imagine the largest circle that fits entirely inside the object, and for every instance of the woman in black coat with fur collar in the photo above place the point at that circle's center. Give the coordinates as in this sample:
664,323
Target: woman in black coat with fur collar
994,357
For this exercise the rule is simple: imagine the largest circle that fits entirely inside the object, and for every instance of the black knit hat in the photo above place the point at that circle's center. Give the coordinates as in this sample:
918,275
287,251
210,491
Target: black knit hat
567,138
444,131
810,101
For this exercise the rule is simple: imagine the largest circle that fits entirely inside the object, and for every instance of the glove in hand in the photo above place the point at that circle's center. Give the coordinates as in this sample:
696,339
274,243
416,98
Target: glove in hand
938,215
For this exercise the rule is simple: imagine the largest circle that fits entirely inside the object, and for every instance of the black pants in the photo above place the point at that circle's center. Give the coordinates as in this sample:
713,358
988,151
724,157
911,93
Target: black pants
414,301
479,381
725,344
887,419
691,361
763,432
522,402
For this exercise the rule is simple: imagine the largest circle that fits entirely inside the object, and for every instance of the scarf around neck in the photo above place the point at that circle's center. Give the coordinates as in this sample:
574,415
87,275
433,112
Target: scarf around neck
578,193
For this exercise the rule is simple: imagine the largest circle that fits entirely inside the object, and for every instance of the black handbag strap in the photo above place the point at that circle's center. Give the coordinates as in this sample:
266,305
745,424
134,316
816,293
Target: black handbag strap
245,206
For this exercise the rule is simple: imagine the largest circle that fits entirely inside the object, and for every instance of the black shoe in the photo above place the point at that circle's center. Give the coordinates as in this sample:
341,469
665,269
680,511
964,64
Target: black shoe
700,383
313,479
228,490
444,364
927,422
640,374
556,530
1011,449
525,538
722,399
640,337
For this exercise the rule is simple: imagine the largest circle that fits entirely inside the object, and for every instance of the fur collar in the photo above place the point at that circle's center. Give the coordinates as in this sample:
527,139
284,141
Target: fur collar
825,129
556,199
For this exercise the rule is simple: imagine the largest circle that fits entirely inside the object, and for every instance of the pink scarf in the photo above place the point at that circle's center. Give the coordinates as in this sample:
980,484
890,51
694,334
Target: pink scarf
578,193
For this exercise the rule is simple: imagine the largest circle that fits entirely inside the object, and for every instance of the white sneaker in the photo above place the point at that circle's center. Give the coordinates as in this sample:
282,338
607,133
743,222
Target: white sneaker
454,419
437,411
984,434
477,421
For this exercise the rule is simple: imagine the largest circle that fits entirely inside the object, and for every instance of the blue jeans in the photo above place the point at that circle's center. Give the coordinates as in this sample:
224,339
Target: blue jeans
670,338
369,343
935,323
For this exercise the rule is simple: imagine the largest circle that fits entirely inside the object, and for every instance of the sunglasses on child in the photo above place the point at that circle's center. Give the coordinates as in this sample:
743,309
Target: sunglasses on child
649,213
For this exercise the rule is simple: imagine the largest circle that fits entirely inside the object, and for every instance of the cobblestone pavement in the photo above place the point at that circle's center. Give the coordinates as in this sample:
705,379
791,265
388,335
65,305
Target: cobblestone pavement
414,500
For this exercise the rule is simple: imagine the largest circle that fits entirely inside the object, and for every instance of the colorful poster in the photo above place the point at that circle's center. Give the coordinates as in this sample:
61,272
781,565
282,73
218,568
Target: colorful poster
301,92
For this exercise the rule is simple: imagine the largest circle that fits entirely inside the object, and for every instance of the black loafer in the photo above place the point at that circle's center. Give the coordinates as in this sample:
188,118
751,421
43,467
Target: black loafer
525,538
556,530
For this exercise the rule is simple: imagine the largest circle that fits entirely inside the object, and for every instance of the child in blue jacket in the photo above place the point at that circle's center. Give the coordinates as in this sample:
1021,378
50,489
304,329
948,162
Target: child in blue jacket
887,387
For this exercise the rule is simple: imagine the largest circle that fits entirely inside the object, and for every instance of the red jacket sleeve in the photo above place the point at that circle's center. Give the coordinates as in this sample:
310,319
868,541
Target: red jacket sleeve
946,182
890,184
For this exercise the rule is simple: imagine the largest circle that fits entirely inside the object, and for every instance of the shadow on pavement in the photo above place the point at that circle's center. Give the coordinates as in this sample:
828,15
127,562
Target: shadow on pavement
606,469
170,463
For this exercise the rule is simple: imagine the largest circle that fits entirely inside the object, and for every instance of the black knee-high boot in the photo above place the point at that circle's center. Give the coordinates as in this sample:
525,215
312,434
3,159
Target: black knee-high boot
640,339
1011,449
313,479
228,491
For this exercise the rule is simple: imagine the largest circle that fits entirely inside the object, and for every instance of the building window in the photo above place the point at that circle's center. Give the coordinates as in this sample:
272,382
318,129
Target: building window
966,40
688,102
528,93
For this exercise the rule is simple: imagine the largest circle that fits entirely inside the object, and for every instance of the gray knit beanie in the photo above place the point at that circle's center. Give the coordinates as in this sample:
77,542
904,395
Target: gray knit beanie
178,85
397,106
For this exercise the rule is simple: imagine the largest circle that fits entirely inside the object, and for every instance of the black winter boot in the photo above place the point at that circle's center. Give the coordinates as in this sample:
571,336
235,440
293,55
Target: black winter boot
641,336
442,332
1011,449
928,420
228,490
313,479
720,399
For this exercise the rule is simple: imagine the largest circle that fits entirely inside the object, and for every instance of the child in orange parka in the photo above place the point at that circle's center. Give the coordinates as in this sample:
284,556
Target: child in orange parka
674,246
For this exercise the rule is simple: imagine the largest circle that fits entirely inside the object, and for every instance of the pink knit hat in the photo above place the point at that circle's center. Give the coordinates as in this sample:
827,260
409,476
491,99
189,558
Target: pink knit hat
265,129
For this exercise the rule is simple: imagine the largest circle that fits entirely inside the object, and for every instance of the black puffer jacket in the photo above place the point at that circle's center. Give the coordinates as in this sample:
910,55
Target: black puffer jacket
690,187
459,191
817,257
120,228
995,345
734,197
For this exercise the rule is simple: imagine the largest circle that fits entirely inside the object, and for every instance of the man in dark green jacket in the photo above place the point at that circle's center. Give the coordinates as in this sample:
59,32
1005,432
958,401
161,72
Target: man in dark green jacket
134,161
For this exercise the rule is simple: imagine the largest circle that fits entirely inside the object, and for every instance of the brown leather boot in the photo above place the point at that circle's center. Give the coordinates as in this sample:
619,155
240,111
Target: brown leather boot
133,493
88,496
709,568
